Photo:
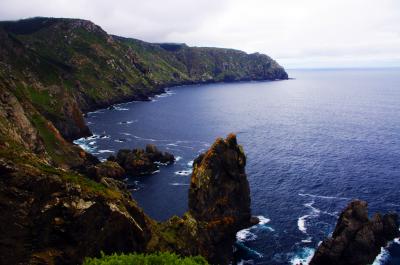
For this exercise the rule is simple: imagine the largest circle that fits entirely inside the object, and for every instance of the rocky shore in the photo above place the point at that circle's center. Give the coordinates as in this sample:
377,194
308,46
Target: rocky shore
54,216
59,204
139,162
357,240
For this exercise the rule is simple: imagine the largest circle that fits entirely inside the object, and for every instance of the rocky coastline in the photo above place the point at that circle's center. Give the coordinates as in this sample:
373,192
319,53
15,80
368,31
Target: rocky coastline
357,239
59,204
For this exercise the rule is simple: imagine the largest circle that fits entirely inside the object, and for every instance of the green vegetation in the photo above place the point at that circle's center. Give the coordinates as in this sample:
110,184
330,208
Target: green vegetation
145,259
87,185
52,143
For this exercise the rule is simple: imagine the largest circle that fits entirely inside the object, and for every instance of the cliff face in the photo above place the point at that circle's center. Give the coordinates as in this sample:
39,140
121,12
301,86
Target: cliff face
58,203
63,66
54,216
59,216
357,240
219,206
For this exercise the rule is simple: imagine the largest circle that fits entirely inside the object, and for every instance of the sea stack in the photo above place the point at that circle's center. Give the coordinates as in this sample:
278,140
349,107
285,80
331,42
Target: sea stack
219,205
357,240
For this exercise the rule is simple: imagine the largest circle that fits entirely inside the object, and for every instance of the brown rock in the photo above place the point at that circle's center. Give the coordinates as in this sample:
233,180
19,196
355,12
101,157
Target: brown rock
45,220
219,206
109,169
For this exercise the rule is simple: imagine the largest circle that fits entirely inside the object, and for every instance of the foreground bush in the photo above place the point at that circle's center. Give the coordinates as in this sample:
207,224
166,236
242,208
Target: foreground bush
145,259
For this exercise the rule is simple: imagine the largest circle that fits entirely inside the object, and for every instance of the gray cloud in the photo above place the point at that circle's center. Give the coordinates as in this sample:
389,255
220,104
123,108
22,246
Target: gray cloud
306,33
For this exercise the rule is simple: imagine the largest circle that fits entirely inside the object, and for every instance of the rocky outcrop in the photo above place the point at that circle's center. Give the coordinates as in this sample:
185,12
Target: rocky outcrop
109,169
139,162
58,216
357,240
219,197
51,216
219,187
219,206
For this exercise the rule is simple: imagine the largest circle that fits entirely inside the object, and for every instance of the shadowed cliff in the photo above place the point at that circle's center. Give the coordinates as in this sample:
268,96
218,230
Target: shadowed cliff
357,240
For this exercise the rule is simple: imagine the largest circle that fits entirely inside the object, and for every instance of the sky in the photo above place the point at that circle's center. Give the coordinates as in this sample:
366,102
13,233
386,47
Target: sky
296,33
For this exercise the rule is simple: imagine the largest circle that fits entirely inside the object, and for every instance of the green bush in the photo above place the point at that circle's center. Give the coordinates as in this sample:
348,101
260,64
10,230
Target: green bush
145,259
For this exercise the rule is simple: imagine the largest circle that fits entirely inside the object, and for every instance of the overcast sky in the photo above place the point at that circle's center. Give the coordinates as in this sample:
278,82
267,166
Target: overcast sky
297,33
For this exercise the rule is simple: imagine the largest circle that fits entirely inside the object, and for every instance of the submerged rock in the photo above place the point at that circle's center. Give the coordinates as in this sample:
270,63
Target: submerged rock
138,162
357,240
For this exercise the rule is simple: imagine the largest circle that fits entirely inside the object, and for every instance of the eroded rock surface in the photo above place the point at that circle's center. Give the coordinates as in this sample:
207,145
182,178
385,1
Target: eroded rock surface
51,216
219,206
139,162
357,240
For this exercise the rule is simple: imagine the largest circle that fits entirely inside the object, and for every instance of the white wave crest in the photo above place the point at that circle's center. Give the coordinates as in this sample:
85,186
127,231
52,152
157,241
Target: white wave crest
179,184
322,197
301,223
105,151
303,257
245,235
308,240
384,255
127,122
263,220
183,172
120,108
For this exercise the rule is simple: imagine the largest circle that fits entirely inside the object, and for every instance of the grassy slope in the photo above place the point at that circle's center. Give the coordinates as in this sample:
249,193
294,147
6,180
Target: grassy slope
149,259
51,69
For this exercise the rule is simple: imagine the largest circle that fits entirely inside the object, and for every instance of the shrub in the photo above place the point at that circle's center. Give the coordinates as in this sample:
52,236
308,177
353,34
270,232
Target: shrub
145,259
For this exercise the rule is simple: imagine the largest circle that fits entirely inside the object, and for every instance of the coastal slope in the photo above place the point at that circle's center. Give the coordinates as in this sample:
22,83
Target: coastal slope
59,204
68,66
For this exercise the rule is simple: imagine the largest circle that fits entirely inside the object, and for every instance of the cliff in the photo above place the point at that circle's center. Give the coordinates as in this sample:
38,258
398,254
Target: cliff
66,66
59,203
357,240
59,216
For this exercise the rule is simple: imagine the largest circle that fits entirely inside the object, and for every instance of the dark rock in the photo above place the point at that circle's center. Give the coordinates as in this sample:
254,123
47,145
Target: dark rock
138,162
357,240
45,220
107,169
219,206
218,181
6,167
156,156
219,195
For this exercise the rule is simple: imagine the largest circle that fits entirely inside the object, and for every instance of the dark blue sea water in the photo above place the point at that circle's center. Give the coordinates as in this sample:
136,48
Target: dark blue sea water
313,143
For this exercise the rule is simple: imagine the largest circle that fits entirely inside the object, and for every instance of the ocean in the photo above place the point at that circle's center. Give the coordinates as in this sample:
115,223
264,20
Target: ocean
313,143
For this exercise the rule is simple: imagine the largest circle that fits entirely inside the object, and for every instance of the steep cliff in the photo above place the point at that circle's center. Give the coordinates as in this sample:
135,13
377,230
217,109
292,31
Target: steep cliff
357,240
52,215
55,216
66,66
58,203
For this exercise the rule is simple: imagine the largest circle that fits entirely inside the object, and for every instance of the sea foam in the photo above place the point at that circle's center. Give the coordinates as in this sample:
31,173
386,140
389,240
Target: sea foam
304,256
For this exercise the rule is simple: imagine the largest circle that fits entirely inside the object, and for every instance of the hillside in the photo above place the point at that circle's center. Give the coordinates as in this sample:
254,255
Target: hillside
59,204
66,66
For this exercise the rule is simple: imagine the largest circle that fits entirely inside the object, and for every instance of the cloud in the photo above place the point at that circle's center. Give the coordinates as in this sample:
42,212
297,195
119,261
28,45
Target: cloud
298,33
